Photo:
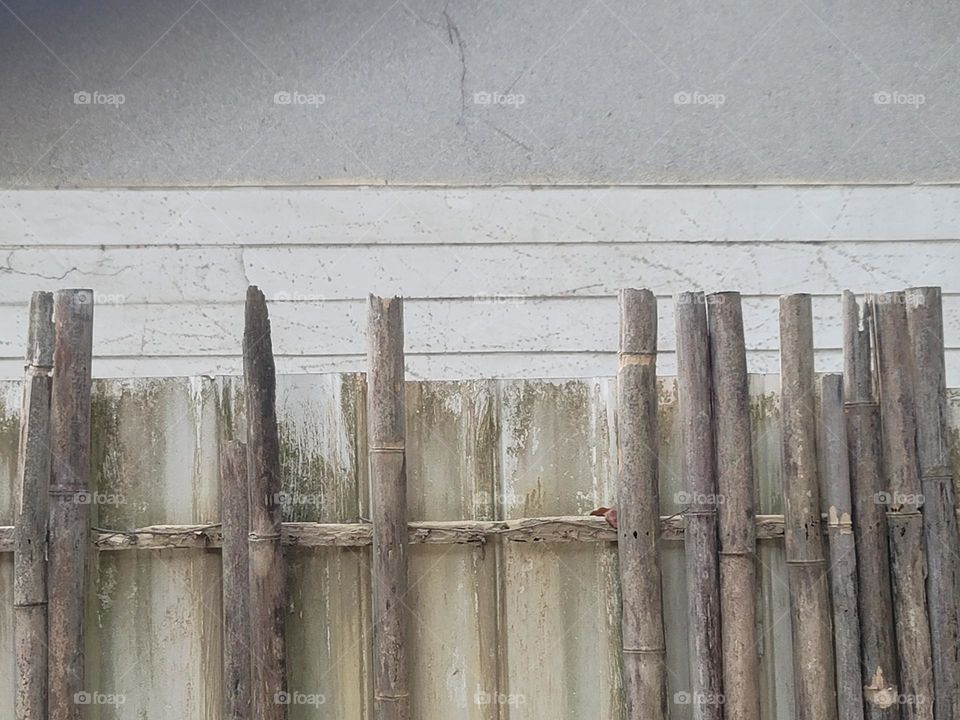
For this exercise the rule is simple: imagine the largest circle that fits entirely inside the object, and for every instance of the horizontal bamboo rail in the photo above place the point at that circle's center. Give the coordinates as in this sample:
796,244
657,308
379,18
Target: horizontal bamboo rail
556,529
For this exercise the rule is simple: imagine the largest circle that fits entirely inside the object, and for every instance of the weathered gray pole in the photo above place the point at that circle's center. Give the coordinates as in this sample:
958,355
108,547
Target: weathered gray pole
813,660
268,595
644,647
700,536
875,603
925,324
69,520
388,490
30,530
903,501
837,505
235,519
737,527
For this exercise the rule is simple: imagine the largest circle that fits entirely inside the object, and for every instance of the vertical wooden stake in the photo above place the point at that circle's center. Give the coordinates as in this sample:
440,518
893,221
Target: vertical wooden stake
875,603
69,527
638,508
268,594
700,537
738,575
388,491
234,514
837,504
813,662
925,324
903,501
30,530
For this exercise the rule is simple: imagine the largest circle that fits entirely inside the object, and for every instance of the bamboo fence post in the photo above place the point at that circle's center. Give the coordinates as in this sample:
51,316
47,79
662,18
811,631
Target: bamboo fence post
388,490
875,604
638,508
904,499
813,660
69,518
268,643
837,504
235,526
30,529
737,527
700,538
925,325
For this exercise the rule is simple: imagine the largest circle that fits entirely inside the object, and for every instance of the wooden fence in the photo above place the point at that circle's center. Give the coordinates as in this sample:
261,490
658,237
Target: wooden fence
507,603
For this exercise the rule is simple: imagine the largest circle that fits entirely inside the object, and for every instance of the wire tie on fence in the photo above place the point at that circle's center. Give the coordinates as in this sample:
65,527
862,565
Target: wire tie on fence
38,603
391,697
644,651
821,561
387,449
62,491
698,513
858,404
261,537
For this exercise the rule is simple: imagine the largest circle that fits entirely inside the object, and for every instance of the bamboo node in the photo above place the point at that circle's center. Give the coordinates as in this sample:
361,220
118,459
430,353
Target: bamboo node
393,697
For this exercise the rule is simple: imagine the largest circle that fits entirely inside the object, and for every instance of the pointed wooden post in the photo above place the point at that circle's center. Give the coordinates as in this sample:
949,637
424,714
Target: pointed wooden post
737,527
875,606
30,530
700,537
837,504
903,501
234,514
388,490
644,648
925,324
69,534
268,593
813,661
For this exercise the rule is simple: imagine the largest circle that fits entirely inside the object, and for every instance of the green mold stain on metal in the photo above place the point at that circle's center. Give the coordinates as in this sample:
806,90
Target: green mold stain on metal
9,448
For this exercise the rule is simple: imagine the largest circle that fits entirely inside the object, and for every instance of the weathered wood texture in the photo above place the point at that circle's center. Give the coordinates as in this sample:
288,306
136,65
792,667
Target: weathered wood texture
638,508
903,500
69,501
268,596
235,519
813,655
30,538
737,526
155,616
837,503
388,507
924,309
867,483
700,538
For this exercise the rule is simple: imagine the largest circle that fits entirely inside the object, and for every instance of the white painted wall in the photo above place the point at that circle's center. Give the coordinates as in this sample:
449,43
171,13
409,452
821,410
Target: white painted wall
499,282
